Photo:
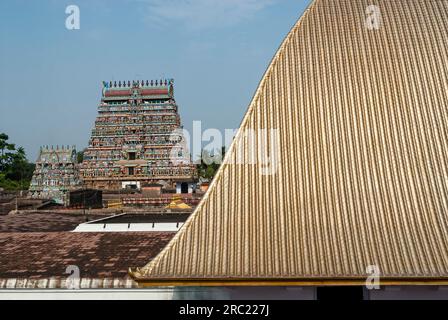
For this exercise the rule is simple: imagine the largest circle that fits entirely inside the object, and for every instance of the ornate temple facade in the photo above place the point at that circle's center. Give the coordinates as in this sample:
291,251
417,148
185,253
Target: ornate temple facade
56,173
137,140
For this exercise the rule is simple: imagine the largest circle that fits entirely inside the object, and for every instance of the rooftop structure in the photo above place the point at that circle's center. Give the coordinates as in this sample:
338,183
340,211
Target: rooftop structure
45,260
137,139
56,173
43,221
360,109
128,222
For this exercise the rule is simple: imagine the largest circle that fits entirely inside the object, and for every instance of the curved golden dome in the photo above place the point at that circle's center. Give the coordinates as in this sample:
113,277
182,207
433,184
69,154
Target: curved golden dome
360,111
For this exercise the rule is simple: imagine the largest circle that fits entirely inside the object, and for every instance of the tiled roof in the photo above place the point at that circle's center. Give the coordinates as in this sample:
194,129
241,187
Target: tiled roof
40,259
42,222
362,177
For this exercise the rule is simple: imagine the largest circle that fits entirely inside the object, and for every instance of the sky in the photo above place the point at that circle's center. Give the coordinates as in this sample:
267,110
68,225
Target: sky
50,76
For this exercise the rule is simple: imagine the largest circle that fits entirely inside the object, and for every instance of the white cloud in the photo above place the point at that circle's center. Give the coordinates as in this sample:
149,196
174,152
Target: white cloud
203,14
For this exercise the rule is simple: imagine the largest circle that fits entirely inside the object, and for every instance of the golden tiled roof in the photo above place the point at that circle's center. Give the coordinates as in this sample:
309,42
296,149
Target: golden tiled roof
359,97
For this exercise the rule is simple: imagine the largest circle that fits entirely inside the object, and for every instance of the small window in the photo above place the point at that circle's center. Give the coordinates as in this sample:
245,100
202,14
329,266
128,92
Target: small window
184,187
131,155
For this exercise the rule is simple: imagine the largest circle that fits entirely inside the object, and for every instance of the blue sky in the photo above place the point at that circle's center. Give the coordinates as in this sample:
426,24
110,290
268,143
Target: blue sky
50,77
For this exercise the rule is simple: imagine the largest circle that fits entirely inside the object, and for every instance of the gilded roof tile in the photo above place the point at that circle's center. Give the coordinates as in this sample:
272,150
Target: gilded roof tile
360,107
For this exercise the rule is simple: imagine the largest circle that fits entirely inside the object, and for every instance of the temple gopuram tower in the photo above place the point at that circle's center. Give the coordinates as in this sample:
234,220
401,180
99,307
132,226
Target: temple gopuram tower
137,139
56,173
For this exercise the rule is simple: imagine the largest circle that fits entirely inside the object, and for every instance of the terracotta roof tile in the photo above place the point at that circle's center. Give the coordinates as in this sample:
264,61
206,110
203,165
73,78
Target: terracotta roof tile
98,255
42,222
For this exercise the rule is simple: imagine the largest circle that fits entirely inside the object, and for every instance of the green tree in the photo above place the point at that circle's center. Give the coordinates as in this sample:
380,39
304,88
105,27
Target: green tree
80,156
210,163
7,151
15,170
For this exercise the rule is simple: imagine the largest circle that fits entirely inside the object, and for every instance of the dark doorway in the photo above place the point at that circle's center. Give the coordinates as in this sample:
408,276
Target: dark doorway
131,171
131,155
184,187
340,293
